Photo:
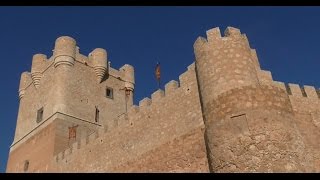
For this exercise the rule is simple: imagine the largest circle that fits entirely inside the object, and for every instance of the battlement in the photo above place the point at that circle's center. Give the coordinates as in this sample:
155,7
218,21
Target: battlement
126,122
295,90
215,34
304,99
170,88
228,62
67,53
66,155
223,112
214,37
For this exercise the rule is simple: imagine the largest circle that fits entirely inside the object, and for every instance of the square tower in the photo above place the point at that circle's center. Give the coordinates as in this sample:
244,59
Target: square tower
63,99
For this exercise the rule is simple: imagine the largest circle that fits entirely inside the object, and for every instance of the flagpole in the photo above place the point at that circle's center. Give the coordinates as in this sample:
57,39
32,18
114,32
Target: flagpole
157,73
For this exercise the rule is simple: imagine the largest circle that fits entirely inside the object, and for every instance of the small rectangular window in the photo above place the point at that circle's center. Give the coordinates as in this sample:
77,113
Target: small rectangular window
73,132
97,115
26,166
109,93
239,124
40,115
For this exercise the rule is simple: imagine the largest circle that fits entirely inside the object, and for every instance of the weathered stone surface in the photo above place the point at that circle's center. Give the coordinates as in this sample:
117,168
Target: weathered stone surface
224,115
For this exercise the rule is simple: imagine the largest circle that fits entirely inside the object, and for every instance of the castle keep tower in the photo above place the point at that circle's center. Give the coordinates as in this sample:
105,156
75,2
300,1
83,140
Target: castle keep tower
64,99
223,114
249,121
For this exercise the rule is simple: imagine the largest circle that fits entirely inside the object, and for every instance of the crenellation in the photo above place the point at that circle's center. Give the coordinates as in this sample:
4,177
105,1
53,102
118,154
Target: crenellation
311,92
245,39
295,89
279,84
191,67
213,34
265,77
305,100
255,59
157,95
144,103
225,113
232,32
234,38
170,87
199,46
318,93
303,91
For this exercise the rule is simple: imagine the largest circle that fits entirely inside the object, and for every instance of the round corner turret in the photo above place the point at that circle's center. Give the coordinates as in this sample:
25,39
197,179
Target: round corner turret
64,51
100,62
128,74
24,82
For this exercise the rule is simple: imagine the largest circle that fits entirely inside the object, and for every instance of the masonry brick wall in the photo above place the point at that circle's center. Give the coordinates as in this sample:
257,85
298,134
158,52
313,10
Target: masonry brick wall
225,114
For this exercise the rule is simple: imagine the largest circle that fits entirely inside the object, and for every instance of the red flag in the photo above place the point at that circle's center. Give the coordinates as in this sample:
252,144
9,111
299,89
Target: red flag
157,71
73,132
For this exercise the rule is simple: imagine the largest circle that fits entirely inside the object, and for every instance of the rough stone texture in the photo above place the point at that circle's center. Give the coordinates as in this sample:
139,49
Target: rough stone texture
184,154
224,115
144,133
38,149
73,91
251,123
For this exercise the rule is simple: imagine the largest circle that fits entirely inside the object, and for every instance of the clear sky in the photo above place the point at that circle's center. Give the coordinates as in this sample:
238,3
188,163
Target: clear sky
286,39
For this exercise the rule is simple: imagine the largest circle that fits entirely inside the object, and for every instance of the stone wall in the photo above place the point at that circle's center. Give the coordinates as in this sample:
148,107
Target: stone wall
253,129
37,150
224,115
169,126
71,86
306,107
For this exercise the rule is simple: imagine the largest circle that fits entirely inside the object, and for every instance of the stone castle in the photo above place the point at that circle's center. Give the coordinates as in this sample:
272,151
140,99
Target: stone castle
225,114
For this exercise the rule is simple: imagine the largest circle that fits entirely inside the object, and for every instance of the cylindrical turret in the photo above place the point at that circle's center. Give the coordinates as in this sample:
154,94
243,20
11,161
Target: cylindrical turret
128,76
99,62
64,51
244,120
64,59
38,62
226,60
24,80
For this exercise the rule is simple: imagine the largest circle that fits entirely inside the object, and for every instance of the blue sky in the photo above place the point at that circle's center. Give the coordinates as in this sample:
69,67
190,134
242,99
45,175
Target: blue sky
286,39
